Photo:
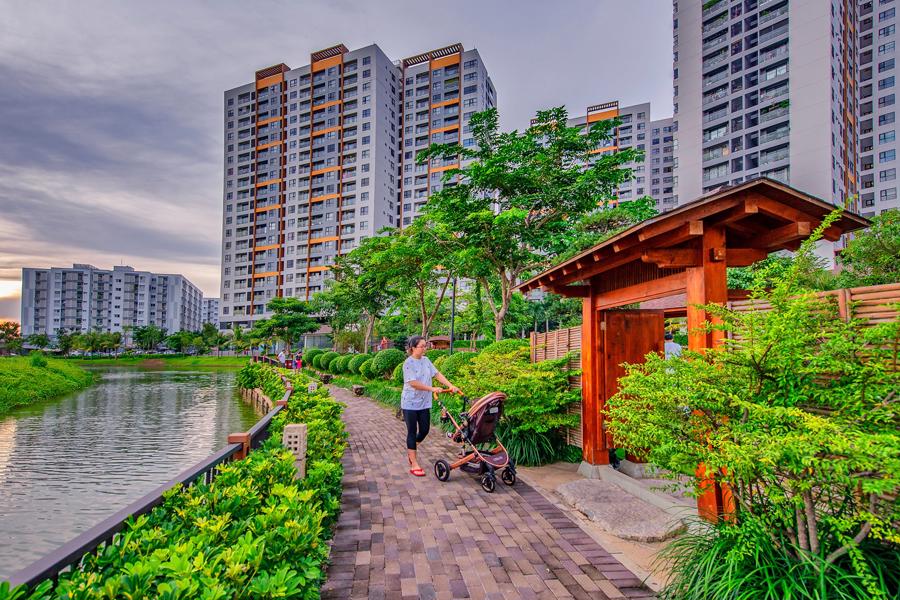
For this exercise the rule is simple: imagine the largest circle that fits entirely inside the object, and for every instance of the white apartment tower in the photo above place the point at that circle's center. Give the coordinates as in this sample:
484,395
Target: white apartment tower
653,176
210,312
766,88
315,157
441,89
877,52
84,298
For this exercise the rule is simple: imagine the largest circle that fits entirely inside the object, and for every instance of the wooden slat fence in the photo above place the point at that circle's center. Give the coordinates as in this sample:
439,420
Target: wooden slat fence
871,304
557,344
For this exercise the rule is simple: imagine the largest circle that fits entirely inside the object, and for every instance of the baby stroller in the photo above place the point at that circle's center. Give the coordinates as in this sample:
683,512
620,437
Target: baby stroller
476,427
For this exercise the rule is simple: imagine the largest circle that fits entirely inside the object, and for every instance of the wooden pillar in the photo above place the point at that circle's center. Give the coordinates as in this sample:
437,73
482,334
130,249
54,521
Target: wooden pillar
593,440
707,284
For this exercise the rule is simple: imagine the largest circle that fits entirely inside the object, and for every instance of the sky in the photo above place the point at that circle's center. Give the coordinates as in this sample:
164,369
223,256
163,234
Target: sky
111,126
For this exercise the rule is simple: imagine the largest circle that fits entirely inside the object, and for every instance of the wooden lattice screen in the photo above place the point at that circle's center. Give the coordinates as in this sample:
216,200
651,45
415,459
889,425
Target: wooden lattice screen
873,304
557,344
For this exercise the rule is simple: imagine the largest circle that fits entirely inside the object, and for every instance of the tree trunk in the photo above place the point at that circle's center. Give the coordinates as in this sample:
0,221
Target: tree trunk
370,329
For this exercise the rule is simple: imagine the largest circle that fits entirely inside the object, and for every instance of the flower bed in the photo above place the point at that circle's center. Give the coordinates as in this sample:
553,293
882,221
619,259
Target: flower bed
254,532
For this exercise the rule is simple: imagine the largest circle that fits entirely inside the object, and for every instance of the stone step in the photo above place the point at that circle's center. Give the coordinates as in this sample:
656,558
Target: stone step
619,512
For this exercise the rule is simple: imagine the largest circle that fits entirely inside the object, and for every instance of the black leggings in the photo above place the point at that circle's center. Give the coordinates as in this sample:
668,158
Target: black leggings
418,422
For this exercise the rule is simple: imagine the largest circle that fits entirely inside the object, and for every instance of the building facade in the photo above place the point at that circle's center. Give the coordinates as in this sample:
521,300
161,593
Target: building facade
877,52
766,88
441,89
211,311
315,158
84,298
654,175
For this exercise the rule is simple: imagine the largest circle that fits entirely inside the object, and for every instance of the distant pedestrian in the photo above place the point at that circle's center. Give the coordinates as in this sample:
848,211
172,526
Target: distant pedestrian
672,348
282,357
298,361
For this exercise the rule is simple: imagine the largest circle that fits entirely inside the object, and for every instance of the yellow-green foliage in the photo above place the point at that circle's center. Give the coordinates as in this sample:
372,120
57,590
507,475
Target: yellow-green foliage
22,382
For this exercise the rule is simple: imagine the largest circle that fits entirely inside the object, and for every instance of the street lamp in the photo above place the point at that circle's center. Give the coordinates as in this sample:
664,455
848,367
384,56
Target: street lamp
452,313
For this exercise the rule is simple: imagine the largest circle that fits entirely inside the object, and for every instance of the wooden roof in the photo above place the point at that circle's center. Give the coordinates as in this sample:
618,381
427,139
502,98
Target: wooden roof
759,217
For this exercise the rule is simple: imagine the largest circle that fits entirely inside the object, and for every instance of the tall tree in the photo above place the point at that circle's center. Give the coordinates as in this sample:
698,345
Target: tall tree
148,337
10,338
411,262
290,320
38,340
65,341
513,206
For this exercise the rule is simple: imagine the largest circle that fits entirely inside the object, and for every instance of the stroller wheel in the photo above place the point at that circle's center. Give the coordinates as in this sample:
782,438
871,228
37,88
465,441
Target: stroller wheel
508,476
442,470
488,483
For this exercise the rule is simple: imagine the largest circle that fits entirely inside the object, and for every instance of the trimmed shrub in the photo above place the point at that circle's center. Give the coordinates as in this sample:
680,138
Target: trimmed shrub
335,365
384,362
505,346
310,354
317,361
343,363
398,374
433,355
357,361
326,360
440,360
450,365
37,359
365,369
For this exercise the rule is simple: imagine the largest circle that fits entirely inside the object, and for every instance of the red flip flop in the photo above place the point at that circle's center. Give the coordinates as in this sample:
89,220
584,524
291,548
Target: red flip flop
417,472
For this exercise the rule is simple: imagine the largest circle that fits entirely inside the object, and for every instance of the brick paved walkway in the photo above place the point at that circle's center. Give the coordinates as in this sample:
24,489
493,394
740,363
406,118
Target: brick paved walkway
401,536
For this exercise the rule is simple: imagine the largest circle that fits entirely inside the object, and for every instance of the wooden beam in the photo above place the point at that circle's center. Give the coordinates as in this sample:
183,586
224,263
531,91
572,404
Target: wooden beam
747,208
784,234
648,290
744,257
698,214
782,211
672,258
572,291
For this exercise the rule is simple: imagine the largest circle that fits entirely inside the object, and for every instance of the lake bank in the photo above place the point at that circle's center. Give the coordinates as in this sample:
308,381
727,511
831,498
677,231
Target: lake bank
24,381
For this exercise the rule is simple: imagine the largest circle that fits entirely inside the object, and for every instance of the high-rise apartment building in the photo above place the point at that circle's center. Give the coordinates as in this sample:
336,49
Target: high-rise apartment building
766,88
210,312
442,89
315,158
653,176
877,52
84,298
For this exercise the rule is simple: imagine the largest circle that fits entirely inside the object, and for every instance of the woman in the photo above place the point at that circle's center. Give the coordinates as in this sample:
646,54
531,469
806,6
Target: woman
416,397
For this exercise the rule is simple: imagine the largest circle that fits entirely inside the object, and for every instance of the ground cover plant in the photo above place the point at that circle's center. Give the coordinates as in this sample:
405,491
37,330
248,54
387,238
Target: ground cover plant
797,417
255,532
26,380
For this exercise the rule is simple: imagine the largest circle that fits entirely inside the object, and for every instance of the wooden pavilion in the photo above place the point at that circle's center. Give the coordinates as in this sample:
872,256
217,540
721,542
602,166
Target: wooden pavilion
682,256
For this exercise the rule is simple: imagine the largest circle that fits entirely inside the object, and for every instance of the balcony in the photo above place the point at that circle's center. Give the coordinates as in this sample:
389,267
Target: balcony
771,136
712,25
714,79
771,115
708,45
710,98
774,33
715,60
773,93
713,6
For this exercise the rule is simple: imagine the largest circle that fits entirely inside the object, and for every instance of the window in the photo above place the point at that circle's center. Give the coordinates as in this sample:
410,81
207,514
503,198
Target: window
886,118
887,175
888,136
470,89
886,31
367,60
886,65
887,14
470,64
775,72
886,83
887,156
887,100
366,73
886,48
888,194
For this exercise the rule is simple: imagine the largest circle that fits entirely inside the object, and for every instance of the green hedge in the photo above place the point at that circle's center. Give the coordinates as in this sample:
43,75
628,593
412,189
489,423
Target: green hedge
398,374
384,362
254,532
26,380
433,355
311,353
357,361
342,364
505,346
365,369
450,365
326,359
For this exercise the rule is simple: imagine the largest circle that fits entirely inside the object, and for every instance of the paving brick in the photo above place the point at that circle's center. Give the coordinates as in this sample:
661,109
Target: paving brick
400,536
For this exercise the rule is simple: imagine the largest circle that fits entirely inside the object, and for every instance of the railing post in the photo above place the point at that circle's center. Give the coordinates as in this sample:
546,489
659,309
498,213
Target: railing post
240,438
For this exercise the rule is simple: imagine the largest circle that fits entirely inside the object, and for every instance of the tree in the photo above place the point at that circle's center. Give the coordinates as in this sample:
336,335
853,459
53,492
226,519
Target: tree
411,263
515,205
239,340
359,289
607,222
65,341
38,340
148,337
290,320
10,338
871,257
179,341
110,341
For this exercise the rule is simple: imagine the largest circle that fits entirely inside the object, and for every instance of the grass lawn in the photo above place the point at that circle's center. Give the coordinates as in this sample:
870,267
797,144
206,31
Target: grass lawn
22,383
167,362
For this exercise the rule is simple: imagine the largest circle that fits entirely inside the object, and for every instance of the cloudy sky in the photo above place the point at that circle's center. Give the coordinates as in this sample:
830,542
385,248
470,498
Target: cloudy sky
111,112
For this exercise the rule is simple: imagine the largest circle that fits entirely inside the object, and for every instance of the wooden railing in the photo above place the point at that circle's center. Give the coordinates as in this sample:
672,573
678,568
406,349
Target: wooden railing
71,553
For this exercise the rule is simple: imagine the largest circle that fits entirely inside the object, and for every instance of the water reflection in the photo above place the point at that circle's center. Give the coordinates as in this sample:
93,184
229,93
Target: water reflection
67,464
